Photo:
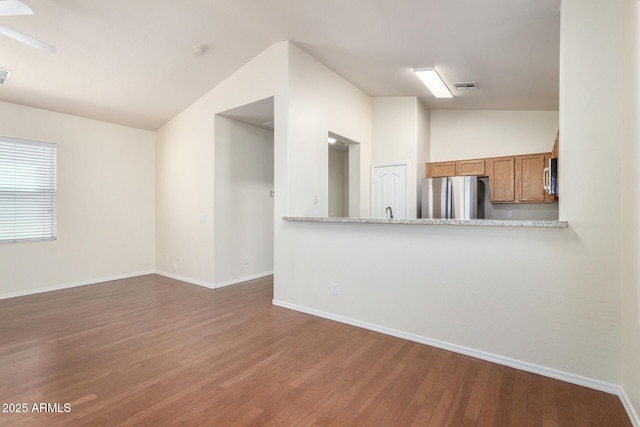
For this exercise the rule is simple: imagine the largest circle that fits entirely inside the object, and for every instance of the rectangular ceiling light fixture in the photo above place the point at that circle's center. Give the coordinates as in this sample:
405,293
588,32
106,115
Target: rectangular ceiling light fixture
433,82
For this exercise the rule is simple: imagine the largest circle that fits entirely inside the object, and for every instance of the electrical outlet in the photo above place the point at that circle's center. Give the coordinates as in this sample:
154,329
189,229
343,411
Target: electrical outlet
246,260
315,200
509,214
334,289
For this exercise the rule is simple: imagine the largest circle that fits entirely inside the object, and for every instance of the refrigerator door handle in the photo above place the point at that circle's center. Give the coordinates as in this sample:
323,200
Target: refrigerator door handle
449,197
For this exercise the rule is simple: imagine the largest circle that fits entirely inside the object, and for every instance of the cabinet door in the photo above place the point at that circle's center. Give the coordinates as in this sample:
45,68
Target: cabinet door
556,148
436,170
530,178
501,181
470,167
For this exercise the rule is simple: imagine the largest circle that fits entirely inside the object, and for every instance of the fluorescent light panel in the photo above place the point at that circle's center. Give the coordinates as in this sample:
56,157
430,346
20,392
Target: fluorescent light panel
14,8
433,82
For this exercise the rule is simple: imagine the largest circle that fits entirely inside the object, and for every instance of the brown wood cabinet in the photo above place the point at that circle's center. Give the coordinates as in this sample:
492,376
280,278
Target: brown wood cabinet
555,151
470,167
512,179
502,179
461,167
440,169
530,178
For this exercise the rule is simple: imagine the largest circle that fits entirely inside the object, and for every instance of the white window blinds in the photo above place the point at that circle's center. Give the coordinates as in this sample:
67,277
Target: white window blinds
27,190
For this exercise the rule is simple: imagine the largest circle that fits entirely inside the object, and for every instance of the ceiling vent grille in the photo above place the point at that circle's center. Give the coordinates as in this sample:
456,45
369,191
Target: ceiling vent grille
466,86
4,77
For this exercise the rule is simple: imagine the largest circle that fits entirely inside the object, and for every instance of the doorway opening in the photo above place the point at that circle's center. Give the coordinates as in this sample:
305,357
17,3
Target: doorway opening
344,176
244,193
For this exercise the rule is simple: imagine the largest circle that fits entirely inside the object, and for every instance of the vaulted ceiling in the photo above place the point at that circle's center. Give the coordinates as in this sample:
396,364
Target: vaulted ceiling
131,62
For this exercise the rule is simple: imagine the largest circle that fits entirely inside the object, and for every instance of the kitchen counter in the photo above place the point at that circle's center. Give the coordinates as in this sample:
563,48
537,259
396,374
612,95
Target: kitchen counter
446,222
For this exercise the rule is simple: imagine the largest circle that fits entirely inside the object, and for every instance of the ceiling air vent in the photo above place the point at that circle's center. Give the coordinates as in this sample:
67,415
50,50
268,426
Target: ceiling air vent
4,77
466,86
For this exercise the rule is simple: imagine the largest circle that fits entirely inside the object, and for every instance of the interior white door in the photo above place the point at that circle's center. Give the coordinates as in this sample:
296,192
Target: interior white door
389,189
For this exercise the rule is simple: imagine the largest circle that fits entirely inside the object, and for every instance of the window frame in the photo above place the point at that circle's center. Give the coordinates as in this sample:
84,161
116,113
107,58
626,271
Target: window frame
28,190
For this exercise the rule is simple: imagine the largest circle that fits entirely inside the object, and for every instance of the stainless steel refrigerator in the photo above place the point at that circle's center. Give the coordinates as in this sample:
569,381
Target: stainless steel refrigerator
455,197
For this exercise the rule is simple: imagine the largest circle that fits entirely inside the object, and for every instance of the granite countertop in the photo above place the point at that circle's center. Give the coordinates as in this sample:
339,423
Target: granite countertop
447,222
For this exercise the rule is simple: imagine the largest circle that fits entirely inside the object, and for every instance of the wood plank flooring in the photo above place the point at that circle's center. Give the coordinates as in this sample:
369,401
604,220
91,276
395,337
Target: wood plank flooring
154,351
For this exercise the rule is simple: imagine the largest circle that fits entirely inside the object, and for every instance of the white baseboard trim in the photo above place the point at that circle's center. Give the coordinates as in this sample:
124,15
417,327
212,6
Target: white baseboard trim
243,279
214,285
185,279
633,415
478,354
73,285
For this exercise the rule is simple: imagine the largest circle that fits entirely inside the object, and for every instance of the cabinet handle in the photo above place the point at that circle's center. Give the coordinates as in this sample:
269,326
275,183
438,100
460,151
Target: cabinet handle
546,177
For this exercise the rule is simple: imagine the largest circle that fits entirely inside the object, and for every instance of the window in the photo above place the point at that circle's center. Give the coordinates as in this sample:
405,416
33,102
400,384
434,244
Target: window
27,190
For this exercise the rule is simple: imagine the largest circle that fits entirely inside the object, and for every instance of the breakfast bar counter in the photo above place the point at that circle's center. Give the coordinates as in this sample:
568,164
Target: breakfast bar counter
446,222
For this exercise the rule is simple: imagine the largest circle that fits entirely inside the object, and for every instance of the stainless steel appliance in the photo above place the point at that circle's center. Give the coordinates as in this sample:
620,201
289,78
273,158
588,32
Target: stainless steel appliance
455,197
551,177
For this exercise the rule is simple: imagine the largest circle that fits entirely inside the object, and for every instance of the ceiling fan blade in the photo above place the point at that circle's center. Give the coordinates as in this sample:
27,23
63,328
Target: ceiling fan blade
14,8
16,35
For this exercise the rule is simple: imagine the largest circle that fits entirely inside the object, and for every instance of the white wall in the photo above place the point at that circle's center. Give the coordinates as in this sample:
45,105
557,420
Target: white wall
591,141
312,87
185,165
105,203
338,182
424,150
243,203
545,298
395,139
355,186
631,210
469,134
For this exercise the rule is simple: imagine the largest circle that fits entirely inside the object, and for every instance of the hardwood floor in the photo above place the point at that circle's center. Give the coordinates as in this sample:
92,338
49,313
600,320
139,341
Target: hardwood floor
154,351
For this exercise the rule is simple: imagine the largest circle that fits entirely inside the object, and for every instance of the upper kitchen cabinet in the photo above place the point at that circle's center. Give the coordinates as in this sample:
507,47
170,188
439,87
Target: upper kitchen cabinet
512,179
441,169
530,178
458,168
501,179
470,167
518,179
